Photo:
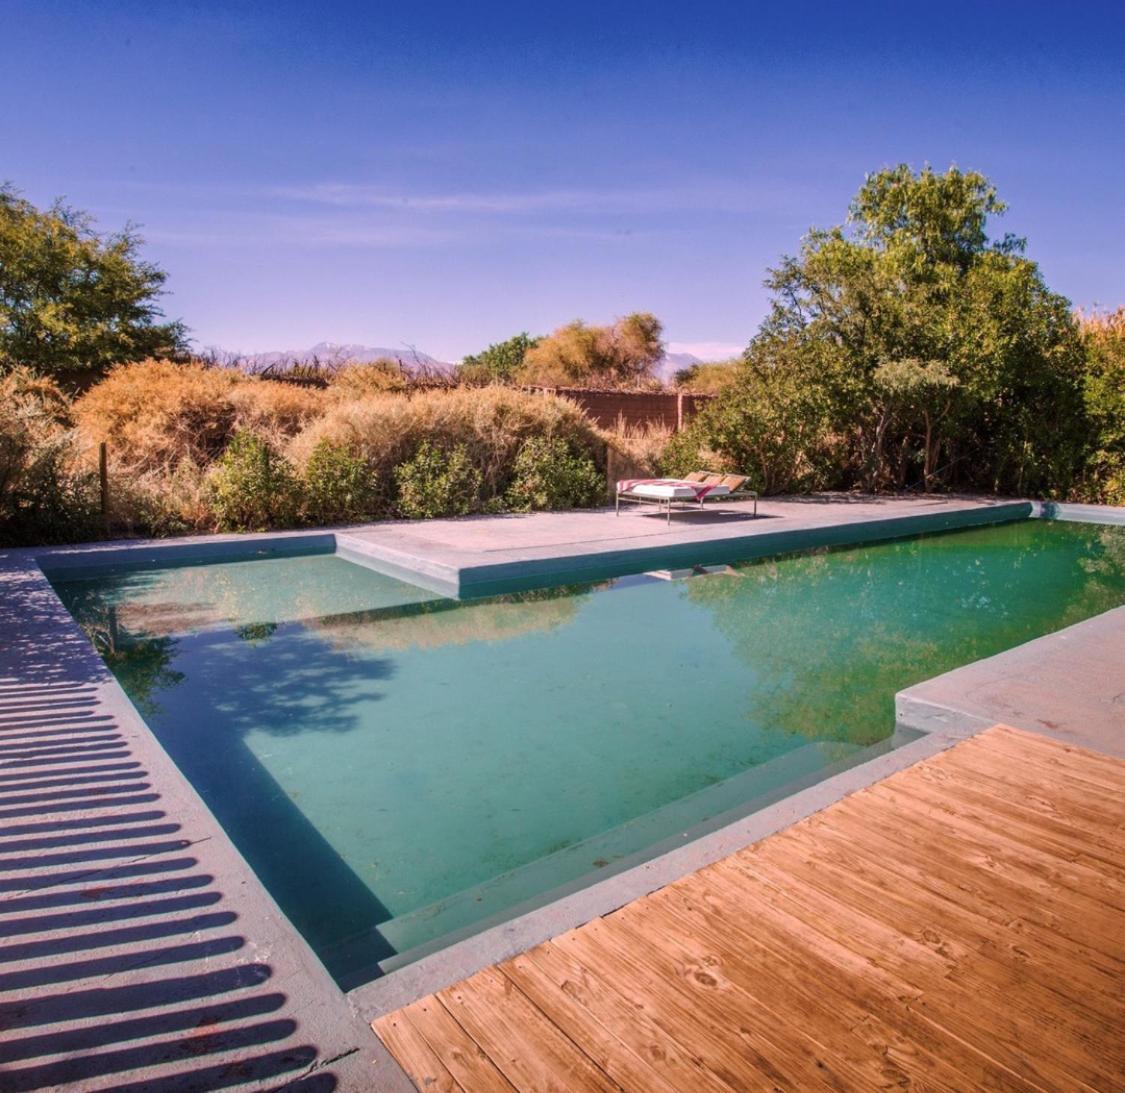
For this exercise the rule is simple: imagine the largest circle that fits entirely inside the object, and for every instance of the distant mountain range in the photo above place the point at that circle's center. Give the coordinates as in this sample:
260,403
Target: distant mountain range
328,354
332,353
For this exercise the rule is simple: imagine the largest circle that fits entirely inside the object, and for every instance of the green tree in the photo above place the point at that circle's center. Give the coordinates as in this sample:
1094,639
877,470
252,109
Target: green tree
620,355
500,362
252,488
707,377
941,353
772,421
73,302
1104,338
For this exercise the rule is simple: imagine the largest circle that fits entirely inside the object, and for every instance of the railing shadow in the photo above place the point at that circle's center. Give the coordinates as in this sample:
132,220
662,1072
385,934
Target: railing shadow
122,961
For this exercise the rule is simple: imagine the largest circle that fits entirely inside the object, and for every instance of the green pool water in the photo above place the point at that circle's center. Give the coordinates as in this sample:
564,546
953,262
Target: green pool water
400,768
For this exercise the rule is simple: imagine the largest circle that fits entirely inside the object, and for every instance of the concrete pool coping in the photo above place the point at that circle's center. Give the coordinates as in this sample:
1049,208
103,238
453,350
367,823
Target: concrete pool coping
513,552
327,1010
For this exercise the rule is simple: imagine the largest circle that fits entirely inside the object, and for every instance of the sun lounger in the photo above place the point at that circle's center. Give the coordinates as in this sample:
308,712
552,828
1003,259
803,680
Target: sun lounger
694,489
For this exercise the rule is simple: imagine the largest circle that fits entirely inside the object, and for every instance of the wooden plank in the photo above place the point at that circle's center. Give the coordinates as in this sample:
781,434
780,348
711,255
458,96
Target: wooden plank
1061,781
737,1065
607,1051
634,1025
877,1018
971,867
958,925
1048,993
1085,879
747,1053
1021,745
990,815
927,965
991,899
781,1050
1070,767
699,941
523,1045
468,1065
1030,798
418,1059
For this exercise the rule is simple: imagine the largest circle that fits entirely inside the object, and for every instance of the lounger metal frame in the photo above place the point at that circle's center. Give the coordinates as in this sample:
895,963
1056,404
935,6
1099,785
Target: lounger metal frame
668,502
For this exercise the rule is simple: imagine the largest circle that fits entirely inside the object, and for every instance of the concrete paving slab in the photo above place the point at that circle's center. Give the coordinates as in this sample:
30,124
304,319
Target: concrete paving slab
477,556
1069,685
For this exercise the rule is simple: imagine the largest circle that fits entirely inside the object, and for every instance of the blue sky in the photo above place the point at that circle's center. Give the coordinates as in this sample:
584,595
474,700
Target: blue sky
446,175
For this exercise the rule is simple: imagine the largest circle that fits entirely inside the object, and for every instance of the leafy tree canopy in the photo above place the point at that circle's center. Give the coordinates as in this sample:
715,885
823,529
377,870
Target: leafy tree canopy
1104,337
707,377
500,361
939,355
73,302
620,355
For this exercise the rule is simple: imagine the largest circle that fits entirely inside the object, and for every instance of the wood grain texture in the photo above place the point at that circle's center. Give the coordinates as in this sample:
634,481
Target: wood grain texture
959,925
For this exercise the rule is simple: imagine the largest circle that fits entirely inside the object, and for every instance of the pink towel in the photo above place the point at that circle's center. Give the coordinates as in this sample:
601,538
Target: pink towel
698,488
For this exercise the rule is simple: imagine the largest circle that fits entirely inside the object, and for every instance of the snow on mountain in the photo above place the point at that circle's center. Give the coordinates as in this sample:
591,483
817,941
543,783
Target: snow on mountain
329,354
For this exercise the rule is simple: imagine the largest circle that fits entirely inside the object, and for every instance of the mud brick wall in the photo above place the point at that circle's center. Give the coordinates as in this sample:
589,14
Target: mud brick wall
635,409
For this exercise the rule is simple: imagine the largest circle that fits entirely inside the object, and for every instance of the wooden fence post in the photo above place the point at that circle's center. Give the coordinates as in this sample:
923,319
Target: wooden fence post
103,482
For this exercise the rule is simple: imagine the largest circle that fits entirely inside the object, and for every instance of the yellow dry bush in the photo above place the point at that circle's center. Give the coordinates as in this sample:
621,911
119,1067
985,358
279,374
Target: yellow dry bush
275,410
165,501
356,379
638,450
621,355
155,414
490,423
709,377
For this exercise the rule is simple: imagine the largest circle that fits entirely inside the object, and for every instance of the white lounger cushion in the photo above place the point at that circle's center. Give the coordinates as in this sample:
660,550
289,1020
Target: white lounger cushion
676,493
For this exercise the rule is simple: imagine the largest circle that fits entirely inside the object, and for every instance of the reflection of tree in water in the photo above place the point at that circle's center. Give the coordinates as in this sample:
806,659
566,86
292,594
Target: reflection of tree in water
141,663
438,623
840,632
256,632
1106,563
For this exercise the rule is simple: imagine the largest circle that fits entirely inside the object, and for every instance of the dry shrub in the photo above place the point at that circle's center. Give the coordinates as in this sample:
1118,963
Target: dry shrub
621,355
164,501
637,450
276,411
357,379
489,423
45,495
708,377
155,415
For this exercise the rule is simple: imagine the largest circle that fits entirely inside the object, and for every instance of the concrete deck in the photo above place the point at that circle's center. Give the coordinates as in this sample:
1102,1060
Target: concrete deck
477,556
1069,685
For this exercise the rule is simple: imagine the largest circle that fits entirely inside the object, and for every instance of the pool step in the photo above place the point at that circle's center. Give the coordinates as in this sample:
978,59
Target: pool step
501,898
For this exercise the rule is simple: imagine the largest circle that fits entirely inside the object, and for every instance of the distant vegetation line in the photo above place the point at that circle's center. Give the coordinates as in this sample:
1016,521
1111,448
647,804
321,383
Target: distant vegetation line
905,349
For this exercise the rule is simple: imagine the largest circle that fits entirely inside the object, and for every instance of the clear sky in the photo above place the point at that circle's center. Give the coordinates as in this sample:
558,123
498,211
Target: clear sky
445,175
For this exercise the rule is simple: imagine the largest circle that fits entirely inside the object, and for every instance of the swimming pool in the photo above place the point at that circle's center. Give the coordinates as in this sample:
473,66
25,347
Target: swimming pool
400,768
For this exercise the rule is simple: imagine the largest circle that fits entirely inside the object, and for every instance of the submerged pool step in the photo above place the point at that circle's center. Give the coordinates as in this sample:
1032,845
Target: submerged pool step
427,929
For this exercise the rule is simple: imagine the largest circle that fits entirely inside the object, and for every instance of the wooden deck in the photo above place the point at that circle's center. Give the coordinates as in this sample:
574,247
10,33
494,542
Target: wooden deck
956,926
